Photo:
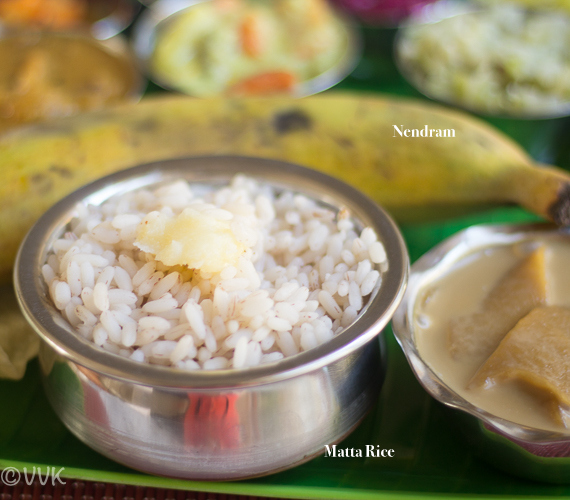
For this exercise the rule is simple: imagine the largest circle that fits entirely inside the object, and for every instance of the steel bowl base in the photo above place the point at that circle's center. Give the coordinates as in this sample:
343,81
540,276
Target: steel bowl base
219,434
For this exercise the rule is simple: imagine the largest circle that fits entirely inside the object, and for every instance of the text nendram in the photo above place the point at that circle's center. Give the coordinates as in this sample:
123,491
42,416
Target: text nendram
400,131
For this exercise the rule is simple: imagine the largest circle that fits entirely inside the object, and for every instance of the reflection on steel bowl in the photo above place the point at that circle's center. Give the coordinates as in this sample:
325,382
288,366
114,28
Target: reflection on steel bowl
220,423
484,325
499,60
49,75
243,47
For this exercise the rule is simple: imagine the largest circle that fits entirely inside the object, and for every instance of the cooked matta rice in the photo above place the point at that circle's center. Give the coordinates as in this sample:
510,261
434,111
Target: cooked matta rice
305,275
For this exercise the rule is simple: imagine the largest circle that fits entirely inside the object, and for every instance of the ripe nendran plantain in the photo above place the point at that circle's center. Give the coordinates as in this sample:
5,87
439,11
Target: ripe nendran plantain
348,136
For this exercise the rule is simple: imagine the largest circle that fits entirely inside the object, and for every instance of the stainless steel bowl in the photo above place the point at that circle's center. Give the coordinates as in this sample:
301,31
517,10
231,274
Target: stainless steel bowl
214,425
435,13
518,449
112,18
161,13
116,48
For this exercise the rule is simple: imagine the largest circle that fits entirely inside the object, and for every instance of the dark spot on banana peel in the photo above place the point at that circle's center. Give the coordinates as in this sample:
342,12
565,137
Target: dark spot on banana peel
51,128
41,183
382,167
145,125
263,134
483,142
64,173
559,211
291,121
237,105
344,142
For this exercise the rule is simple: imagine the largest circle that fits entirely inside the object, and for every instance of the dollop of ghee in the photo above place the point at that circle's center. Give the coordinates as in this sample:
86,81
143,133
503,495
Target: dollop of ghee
195,239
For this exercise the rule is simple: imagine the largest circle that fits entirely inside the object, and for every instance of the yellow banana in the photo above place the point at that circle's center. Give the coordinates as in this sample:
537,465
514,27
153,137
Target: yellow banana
347,136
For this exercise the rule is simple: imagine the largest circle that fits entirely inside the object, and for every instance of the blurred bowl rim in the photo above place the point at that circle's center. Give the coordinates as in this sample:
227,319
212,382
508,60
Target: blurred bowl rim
103,28
119,47
44,318
437,262
433,14
164,11
117,21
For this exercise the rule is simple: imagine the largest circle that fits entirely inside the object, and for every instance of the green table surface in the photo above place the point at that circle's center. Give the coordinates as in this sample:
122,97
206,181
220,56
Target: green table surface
431,459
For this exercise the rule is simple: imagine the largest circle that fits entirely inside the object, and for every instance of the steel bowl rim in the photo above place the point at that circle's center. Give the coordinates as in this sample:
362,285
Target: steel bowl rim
30,291
446,254
116,21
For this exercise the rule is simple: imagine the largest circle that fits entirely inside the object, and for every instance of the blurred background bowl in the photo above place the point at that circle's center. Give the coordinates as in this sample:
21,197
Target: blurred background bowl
47,75
490,58
212,425
162,15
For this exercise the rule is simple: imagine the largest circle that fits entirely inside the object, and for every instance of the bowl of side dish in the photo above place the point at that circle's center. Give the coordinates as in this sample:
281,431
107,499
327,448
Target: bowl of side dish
215,47
483,325
47,75
221,372
503,60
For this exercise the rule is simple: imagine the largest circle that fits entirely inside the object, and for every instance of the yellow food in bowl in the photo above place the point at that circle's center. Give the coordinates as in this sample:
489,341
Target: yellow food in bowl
533,354
518,292
247,48
45,76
